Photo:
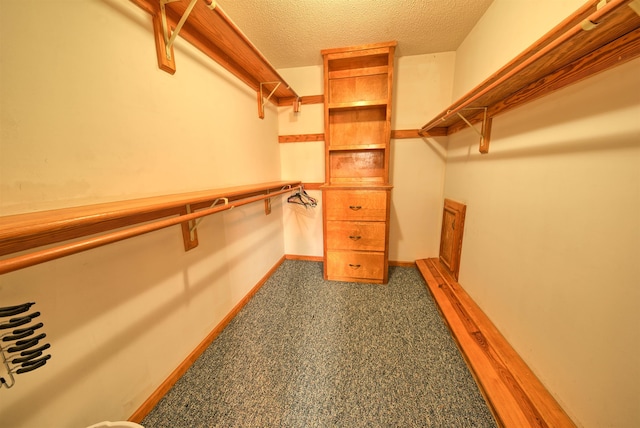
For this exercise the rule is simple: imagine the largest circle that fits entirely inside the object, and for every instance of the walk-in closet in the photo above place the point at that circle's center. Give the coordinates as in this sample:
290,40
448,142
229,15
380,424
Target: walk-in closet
313,214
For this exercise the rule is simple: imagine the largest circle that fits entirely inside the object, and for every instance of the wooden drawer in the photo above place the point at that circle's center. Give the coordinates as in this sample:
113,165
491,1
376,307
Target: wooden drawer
365,205
355,264
355,235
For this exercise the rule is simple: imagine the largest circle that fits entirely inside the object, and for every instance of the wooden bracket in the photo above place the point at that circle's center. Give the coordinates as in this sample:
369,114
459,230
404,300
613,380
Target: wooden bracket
190,228
164,63
485,132
262,100
189,231
164,40
267,205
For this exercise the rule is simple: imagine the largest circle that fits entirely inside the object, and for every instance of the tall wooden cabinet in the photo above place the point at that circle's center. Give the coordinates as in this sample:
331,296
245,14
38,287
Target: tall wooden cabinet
357,193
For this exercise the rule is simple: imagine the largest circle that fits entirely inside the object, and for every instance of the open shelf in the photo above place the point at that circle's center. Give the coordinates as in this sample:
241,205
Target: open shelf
358,105
347,147
589,41
213,33
110,222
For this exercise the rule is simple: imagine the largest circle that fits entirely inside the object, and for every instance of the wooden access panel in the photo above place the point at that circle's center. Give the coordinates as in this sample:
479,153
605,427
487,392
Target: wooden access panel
453,216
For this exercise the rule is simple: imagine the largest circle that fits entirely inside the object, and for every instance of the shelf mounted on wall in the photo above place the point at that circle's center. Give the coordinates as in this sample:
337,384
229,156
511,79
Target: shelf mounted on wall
204,25
598,36
28,239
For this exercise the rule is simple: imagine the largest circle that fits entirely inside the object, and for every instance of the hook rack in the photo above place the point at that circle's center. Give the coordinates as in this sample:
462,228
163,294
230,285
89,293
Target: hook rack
18,346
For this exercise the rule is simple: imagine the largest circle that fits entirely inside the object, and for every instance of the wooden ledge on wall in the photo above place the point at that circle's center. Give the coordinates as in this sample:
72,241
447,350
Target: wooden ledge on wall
399,134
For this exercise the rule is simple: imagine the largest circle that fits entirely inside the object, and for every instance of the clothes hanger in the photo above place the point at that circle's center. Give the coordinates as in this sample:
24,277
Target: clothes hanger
301,197
20,348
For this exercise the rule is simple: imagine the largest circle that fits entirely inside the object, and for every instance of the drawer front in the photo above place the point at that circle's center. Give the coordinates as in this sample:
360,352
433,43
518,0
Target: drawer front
367,205
355,235
353,264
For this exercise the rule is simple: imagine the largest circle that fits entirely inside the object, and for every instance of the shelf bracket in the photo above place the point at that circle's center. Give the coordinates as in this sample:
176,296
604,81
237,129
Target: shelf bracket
189,229
267,205
169,40
262,100
189,237
164,41
267,201
484,132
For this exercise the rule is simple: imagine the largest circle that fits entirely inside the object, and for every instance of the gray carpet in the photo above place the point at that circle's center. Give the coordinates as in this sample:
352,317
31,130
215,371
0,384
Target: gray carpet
305,352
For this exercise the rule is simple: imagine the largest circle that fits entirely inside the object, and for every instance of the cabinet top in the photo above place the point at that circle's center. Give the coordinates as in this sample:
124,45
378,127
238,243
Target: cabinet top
359,47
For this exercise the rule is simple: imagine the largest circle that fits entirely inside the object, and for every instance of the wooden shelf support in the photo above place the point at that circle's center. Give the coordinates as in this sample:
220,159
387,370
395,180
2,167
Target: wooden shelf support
485,131
189,229
168,40
261,98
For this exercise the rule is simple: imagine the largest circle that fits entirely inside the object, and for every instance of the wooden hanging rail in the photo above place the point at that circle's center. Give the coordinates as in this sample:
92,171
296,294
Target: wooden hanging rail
25,232
598,36
212,32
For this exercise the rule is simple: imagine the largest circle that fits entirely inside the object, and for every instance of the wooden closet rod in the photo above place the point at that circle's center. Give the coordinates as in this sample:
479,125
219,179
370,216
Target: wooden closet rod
37,257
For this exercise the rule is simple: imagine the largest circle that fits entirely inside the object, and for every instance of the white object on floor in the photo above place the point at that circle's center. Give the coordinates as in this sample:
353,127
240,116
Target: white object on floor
120,424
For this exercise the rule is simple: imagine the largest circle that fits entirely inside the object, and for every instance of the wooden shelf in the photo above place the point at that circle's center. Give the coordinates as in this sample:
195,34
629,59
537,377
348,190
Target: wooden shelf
565,55
25,232
341,148
213,33
358,105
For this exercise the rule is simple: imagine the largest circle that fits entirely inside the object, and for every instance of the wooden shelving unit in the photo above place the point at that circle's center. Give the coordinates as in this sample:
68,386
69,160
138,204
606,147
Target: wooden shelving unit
102,224
213,33
358,93
591,40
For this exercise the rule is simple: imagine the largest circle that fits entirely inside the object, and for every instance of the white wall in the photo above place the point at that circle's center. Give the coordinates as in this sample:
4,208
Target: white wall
422,85
86,116
303,161
552,235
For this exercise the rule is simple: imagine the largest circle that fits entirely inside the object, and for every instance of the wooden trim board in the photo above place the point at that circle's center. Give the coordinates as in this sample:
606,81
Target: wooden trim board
399,134
305,258
301,138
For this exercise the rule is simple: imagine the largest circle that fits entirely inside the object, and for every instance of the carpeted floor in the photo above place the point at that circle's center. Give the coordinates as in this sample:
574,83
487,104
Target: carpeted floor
305,352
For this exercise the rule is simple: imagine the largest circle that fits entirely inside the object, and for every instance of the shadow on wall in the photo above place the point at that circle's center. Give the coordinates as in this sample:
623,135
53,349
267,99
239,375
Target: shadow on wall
438,145
19,412
548,148
125,9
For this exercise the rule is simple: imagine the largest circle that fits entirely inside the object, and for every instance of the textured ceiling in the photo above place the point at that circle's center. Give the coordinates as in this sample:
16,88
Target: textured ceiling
291,33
